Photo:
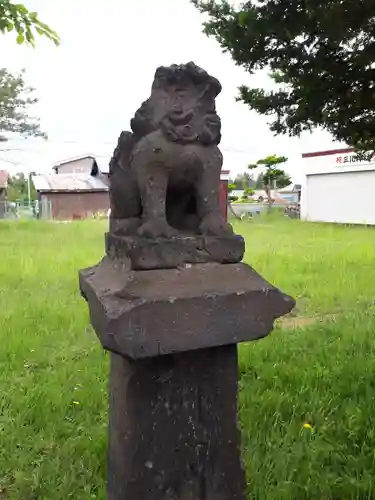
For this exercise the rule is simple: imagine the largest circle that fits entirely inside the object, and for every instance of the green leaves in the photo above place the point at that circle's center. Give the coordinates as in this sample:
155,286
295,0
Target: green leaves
272,160
16,17
319,55
242,18
273,174
20,39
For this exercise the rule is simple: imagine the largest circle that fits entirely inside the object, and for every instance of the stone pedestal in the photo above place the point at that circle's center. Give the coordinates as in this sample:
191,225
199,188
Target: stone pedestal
173,432
173,384
147,254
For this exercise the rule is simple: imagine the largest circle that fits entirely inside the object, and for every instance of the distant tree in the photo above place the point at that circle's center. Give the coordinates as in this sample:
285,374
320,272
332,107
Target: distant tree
259,183
238,181
248,180
16,17
15,100
18,188
273,176
244,181
15,95
320,56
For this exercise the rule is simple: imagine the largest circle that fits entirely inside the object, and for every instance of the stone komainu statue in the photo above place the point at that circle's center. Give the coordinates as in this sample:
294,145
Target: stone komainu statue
165,174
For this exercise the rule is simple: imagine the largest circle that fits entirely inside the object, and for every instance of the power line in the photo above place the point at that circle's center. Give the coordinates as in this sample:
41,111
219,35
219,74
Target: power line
102,143
12,162
113,144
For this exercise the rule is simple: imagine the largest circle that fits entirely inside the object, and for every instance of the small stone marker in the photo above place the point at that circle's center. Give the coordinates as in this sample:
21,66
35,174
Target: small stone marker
171,300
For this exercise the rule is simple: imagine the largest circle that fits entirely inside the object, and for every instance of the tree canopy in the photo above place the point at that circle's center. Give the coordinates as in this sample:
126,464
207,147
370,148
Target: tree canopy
320,55
273,176
16,17
15,99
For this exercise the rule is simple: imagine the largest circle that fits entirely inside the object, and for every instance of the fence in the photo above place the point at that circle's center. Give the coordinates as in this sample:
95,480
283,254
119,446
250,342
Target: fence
248,210
25,210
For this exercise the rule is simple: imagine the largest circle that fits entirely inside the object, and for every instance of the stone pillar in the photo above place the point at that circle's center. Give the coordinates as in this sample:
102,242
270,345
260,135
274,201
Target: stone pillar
172,334
172,429
171,300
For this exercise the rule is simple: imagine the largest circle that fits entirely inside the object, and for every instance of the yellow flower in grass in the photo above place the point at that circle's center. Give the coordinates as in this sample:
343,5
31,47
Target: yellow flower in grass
307,426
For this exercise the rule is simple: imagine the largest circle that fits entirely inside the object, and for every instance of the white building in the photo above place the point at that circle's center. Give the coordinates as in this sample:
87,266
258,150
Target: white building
338,187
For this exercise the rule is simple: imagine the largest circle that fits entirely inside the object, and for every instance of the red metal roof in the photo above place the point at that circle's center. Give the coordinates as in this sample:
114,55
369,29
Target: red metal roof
68,182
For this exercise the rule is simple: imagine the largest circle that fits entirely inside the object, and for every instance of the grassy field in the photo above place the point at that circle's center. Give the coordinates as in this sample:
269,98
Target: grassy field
307,400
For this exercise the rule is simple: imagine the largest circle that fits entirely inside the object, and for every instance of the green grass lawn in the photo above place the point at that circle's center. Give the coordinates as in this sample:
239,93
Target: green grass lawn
321,372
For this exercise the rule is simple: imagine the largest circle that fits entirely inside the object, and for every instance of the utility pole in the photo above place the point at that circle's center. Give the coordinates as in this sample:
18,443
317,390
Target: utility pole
29,188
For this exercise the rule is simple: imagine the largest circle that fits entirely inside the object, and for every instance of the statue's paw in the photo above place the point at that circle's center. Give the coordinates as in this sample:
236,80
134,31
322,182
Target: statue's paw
124,227
156,228
215,225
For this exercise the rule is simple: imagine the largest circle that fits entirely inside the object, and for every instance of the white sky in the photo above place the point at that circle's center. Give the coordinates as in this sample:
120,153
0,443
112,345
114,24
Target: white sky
90,86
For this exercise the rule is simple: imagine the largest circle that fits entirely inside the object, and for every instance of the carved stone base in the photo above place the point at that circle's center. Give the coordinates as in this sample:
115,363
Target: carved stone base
151,313
173,385
173,427
169,253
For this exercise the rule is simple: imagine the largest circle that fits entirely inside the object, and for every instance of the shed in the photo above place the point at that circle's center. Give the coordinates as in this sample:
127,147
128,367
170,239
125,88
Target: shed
84,164
339,187
291,193
80,188
71,196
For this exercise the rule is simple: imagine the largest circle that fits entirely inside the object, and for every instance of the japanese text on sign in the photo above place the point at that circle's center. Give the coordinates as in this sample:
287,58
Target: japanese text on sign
341,160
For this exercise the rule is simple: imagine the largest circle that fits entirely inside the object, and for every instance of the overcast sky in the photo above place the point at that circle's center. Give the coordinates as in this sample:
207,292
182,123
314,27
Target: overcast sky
90,86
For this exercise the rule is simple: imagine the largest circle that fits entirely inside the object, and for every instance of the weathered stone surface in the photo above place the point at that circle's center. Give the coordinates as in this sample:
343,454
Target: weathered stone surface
173,432
171,301
146,253
174,310
165,174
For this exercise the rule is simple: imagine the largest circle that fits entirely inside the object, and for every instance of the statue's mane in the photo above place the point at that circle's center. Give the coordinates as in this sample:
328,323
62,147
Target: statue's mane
187,113
121,153
184,75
